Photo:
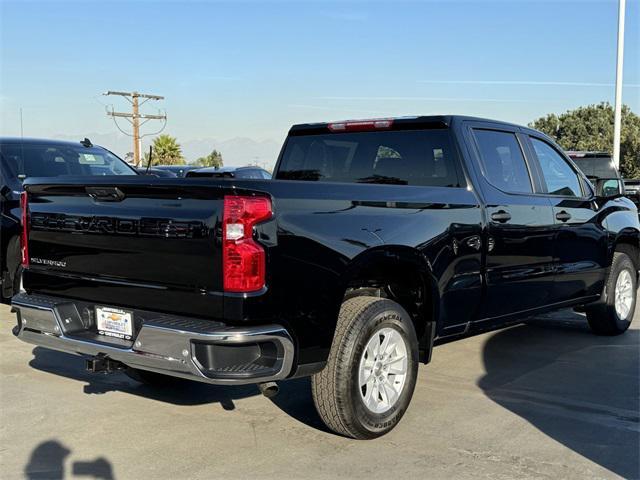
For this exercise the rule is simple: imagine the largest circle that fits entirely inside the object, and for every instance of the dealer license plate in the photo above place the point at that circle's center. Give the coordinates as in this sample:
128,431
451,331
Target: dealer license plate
114,322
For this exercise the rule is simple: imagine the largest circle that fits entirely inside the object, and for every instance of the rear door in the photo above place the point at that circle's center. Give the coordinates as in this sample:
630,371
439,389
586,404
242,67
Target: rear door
519,224
581,241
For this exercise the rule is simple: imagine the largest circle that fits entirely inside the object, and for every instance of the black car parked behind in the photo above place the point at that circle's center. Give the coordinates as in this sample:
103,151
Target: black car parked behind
250,171
22,158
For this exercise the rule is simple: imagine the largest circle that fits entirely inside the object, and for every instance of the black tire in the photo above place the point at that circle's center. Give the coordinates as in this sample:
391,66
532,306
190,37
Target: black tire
336,390
152,379
13,273
604,319
17,277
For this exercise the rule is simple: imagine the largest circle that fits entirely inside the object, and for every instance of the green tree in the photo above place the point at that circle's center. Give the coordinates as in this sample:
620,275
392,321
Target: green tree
166,151
214,159
591,128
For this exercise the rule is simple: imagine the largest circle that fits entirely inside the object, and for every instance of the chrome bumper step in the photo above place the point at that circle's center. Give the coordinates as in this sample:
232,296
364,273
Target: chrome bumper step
196,349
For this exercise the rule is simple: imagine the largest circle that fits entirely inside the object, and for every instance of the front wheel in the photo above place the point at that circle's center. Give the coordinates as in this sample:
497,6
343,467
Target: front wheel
614,316
369,379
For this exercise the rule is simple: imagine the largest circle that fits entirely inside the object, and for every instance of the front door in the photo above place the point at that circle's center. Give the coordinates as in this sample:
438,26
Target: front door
581,242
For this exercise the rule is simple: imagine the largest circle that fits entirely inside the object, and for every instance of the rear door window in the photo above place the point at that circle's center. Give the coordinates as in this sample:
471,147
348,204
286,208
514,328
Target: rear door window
503,162
420,157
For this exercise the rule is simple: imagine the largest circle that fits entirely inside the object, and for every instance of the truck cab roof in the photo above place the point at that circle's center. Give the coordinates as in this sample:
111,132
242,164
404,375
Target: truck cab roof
587,154
394,123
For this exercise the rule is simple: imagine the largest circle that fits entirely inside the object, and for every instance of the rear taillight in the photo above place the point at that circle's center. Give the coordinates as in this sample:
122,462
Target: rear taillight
243,259
24,237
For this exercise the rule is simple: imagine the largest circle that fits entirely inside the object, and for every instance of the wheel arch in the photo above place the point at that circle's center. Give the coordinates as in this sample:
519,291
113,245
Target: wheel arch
627,241
401,274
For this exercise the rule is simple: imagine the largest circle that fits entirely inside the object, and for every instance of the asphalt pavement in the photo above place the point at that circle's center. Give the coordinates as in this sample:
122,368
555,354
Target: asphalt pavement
543,400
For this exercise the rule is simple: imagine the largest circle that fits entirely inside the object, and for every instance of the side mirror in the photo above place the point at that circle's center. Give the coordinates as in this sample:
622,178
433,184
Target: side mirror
609,187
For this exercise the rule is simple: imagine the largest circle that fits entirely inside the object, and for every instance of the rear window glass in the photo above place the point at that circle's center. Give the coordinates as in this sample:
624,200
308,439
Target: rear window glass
56,160
248,174
424,157
599,167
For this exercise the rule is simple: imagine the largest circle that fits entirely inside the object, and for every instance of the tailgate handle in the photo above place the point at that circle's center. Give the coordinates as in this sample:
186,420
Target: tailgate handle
105,194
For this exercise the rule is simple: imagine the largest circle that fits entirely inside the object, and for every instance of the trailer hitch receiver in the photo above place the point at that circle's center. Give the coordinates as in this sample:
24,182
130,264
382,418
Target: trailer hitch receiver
103,364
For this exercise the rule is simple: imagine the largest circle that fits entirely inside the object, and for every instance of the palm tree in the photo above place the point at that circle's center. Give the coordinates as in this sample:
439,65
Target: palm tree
214,159
166,151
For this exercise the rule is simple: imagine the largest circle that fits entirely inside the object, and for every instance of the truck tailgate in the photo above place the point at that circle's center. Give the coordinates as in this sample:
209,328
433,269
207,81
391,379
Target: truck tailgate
157,237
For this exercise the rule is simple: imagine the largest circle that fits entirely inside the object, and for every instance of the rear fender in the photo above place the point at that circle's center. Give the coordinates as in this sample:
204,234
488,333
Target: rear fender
378,261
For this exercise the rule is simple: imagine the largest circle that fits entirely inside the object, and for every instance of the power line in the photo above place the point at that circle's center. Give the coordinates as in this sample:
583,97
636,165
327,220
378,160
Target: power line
135,116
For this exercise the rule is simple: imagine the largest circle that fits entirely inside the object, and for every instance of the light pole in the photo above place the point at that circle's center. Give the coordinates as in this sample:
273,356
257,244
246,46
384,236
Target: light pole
617,117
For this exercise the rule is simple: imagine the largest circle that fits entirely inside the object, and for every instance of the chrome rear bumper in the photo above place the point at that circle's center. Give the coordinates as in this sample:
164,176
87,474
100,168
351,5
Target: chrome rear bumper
195,349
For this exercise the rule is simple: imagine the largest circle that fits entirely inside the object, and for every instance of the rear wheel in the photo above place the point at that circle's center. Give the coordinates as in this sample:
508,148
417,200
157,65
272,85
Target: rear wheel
369,379
17,280
614,316
13,274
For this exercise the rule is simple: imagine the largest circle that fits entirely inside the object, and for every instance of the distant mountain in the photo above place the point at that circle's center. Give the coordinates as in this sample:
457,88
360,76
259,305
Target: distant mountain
235,151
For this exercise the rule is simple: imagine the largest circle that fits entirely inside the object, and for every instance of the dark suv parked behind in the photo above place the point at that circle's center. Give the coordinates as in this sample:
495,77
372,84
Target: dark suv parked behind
22,158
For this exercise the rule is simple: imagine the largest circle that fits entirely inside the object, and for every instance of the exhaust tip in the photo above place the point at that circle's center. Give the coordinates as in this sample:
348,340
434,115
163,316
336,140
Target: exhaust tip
269,389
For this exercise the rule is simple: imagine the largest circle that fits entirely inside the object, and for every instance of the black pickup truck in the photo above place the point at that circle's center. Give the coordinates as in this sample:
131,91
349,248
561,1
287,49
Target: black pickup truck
376,239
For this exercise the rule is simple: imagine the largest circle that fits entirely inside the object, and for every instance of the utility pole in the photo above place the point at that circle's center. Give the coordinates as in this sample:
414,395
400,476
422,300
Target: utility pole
617,118
134,117
136,130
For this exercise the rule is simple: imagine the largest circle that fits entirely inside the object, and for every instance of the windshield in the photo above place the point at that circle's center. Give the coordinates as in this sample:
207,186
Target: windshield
413,157
59,160
599,167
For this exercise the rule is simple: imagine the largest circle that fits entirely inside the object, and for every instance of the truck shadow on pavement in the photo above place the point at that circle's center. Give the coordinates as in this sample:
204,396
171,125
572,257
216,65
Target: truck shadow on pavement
189,393
296,401
294,398
47,461
580,389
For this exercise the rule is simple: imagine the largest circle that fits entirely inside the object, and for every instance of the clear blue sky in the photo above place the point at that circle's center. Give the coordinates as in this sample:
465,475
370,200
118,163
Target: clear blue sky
250,69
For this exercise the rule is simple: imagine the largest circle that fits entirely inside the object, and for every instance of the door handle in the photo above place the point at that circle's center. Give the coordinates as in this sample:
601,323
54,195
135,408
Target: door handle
105,194
474,242
563,216
501,216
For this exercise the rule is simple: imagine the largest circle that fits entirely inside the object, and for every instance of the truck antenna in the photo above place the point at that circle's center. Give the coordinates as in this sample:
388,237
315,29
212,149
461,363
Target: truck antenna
149,162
